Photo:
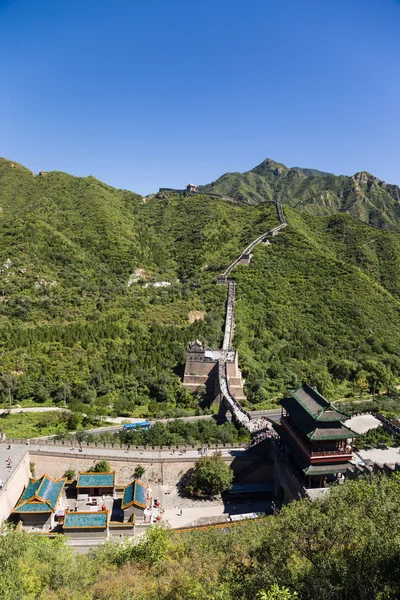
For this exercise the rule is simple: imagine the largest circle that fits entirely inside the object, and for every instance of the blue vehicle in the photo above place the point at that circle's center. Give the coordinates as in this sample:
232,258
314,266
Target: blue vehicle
139,425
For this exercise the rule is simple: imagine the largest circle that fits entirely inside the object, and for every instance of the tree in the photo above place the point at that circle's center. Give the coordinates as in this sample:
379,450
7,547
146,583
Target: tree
210,476
277,593
103,466
139,472
70,474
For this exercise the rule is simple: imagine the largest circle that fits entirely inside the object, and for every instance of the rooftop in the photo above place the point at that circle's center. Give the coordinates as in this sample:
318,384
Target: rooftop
89,520
40,495
313,428
93,480
326,469
135,493
316,405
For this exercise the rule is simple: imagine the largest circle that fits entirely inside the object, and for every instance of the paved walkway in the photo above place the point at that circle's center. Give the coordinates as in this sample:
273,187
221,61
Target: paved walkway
34,409
363,423
390,456
16,454
121,454
174,519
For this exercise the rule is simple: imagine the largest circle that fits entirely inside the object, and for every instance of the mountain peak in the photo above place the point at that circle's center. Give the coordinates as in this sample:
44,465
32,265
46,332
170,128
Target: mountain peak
269,166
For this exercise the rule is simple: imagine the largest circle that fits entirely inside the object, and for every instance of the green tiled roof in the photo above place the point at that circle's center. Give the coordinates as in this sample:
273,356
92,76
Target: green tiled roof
326,469
31,489
316,405
85,520
135,493
32,507
140,494
316,430
91,480
332,433
127,497
40,495
50,490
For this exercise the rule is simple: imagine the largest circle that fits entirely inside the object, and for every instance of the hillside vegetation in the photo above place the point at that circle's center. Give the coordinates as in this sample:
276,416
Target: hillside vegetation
101,290
342,547
77,323
314,192
322,304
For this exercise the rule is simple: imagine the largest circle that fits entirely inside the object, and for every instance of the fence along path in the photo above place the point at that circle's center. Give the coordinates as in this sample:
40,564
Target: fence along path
241,415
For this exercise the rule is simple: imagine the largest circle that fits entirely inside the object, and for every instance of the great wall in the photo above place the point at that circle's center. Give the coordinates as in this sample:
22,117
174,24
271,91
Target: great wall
201,362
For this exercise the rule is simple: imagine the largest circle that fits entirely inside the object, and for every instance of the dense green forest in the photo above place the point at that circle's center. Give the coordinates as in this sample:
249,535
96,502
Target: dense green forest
322,304
173,433
314,192
345,546
101,290
81,322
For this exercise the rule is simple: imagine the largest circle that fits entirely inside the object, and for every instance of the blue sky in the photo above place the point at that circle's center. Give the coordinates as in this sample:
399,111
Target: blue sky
143,94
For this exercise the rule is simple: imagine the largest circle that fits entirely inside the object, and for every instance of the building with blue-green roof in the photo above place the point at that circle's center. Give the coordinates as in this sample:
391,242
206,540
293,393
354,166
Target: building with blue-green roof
39,501
87,522
96,484
134,499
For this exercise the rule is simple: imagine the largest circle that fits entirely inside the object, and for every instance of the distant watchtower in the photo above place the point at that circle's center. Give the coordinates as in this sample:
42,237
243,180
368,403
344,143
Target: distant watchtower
191,188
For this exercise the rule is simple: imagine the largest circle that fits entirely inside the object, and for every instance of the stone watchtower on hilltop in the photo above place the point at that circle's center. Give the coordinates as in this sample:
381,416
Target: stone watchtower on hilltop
201,370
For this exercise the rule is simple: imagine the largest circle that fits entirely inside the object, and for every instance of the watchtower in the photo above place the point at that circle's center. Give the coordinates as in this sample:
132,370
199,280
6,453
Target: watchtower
314,436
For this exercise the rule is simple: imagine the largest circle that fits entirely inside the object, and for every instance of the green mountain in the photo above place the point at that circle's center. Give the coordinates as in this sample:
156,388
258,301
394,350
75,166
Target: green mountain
102,289
362,195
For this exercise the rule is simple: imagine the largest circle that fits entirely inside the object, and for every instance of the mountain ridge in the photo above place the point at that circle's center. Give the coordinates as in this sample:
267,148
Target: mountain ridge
101,290
362,195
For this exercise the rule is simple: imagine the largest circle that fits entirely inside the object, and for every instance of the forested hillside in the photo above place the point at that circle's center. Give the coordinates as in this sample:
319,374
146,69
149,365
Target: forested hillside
322,304
314,192
101,290
343,547
81,317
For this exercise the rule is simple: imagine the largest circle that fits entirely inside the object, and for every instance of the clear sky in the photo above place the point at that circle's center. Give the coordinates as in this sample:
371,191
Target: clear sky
150,93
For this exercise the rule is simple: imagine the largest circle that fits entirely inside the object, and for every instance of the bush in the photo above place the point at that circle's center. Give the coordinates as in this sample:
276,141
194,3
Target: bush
70,474
103,466
139,472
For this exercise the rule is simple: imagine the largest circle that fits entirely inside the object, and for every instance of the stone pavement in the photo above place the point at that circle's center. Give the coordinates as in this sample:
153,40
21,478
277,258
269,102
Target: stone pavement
16,453
100,452
362,423
191,515
390,456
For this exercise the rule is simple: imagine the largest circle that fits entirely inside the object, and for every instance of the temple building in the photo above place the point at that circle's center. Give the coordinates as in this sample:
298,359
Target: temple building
134,500
314,437
95,484
39,502
78,524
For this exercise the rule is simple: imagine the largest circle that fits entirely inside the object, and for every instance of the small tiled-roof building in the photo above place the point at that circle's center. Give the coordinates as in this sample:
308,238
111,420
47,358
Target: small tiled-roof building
96,484
39,501
86,523
134,499
315,437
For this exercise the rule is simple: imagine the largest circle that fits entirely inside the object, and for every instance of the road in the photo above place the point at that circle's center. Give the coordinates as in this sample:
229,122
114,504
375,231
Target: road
273,414
35,409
